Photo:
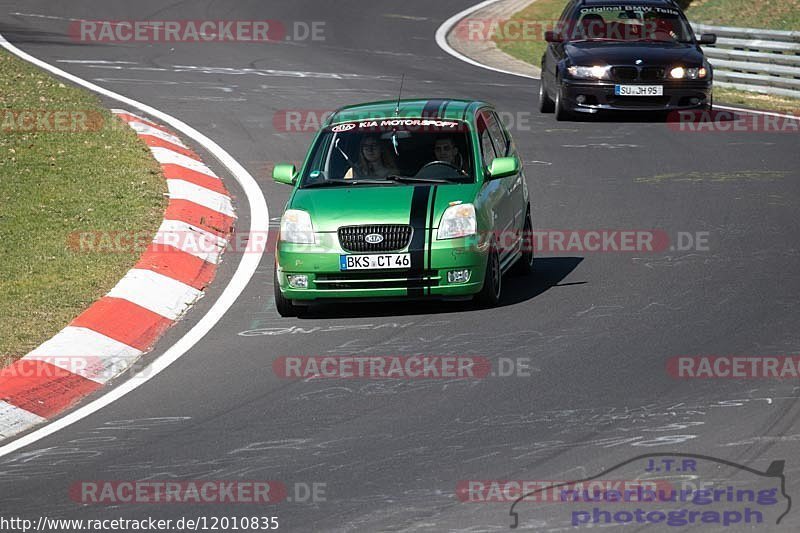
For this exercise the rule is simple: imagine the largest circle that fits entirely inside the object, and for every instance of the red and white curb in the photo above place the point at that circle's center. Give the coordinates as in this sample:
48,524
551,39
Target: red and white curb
120,327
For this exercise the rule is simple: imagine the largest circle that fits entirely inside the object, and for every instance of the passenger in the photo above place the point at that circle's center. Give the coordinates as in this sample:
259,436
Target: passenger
375,160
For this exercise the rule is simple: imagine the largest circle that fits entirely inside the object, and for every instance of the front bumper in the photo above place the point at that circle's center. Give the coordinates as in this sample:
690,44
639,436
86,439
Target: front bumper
599,95
320,262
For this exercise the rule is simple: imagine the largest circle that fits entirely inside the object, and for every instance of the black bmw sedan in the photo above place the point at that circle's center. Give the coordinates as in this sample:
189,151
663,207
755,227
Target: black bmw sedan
637,55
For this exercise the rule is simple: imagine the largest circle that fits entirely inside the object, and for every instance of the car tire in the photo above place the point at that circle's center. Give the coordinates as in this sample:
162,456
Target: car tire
545,102
524,265
710,104
561,112
492,281
284,305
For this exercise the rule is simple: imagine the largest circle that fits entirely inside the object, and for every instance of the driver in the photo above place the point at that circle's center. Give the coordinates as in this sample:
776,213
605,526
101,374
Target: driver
593,26
445,149
659,28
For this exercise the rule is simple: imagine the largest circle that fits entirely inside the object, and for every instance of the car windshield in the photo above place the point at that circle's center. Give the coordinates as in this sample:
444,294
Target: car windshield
614,23
393,151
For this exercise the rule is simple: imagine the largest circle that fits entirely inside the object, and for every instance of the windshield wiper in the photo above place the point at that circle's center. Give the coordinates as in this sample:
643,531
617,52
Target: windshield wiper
346,158
413,179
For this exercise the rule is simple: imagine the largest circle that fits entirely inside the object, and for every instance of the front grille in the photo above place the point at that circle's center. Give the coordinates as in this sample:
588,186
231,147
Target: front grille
639,101
651,74
377,280
625,73
395,237
638,73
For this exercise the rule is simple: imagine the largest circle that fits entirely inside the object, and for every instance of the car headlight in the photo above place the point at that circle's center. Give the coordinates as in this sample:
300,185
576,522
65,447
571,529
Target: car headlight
597,72
681,73
296,227
458,221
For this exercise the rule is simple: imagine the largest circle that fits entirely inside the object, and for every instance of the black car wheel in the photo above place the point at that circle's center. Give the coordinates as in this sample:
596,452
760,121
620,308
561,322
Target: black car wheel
284,305
492,281
524,265
545,102
561,112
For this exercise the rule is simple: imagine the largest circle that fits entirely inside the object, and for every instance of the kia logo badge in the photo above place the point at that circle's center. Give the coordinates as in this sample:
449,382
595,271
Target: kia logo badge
374,238
343,127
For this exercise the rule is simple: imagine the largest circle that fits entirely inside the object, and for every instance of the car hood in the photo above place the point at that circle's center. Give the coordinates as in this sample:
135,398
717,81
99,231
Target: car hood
651,54
384,204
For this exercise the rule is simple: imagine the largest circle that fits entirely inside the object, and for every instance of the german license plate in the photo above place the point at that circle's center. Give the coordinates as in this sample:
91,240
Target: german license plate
374,261
639,90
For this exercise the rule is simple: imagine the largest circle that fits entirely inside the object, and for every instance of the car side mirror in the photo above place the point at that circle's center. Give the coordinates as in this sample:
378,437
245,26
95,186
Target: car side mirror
284,173
708,38
503,166
553,37
775,468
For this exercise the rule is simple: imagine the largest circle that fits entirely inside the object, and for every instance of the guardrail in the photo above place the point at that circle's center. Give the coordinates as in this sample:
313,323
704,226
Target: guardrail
750,59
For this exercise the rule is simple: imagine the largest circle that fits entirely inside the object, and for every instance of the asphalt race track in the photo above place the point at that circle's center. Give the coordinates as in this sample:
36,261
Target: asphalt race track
596,327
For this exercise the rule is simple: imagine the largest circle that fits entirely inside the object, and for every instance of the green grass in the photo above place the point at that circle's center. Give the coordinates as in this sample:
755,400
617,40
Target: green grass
773,14
784,104
770,14
56,183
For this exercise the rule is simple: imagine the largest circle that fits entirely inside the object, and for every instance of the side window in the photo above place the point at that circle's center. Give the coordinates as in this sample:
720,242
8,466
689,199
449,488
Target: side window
487,147
511,148
498,137
566,19
567,10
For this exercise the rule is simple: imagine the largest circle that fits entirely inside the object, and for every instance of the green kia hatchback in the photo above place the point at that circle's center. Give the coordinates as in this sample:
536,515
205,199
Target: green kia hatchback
406,199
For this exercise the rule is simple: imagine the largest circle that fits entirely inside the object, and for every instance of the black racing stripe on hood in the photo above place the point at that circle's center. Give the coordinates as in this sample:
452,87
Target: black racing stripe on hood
431,211
417,219
431,109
